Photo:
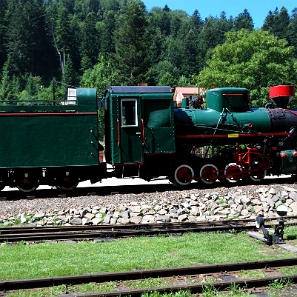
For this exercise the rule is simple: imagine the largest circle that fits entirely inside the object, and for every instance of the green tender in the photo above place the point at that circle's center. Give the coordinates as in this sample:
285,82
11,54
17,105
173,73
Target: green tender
38,134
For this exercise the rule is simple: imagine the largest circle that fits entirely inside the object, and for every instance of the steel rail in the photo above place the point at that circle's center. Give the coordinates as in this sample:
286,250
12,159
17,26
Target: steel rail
147,273
112,234
236,222
16,234
37,229
221,286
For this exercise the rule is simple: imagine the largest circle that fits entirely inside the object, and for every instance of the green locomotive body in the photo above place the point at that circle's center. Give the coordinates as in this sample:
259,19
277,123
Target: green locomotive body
235,141
54,142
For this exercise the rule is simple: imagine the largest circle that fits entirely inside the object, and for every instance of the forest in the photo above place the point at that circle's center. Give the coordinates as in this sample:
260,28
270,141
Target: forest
47,46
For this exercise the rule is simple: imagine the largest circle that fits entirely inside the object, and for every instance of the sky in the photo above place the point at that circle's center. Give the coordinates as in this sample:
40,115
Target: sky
258,9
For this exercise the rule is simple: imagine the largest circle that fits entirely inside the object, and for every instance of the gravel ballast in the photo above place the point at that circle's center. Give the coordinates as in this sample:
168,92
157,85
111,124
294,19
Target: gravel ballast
190,205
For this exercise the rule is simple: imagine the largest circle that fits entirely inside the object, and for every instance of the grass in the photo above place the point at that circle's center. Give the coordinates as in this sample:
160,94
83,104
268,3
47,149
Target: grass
47,259
290,232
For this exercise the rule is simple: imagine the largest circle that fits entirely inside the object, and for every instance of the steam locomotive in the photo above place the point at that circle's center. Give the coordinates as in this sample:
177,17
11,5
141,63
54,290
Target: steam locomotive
56,142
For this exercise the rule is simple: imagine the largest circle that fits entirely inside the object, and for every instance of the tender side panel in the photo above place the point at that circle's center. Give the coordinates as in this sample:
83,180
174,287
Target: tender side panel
50,134
45,140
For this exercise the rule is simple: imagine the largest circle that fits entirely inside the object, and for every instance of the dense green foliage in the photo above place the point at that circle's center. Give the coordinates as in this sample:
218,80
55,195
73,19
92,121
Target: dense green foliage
49,45
254,60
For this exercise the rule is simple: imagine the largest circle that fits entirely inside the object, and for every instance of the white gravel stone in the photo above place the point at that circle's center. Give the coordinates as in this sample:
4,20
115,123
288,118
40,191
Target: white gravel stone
169,206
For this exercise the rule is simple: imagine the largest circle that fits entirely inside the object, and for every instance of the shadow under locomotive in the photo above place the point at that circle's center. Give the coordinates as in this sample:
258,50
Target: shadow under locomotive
144,189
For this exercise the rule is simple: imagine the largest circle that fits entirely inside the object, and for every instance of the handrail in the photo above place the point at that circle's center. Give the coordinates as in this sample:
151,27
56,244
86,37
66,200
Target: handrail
142,132
119,132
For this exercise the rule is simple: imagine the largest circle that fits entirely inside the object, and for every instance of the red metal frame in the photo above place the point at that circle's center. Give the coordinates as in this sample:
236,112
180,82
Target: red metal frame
233,135
142,132
247,157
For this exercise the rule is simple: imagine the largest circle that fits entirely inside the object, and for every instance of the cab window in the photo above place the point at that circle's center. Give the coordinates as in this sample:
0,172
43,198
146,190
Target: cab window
129,112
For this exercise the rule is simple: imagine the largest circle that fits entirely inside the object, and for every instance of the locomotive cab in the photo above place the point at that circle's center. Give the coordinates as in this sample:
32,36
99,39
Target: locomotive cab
139,123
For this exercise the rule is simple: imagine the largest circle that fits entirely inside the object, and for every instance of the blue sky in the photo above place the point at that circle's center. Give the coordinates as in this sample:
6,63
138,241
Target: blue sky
258,9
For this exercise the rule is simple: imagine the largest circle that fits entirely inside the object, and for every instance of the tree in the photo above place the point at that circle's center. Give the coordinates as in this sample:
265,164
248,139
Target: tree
175,24
33,86
132,42
243,21
207,41
27,41
89,40
222,26
106,30
168,80
84,7
292,31
174,51
100,76
160,18
196,20
190,53
69,77
184,82
63,34
163,69
3,24
9,85
277,22
254,60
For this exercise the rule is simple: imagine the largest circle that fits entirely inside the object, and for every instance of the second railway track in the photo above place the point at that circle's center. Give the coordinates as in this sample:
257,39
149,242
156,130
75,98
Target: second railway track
89,232
218,271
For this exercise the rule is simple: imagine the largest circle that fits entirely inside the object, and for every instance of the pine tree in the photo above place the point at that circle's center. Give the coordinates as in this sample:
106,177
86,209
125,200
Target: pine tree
18,36
6,90
131,41
292,32
63,35
89,41
3,24
243,21
223,25
190,54
28,43
69,77
196,20
277,23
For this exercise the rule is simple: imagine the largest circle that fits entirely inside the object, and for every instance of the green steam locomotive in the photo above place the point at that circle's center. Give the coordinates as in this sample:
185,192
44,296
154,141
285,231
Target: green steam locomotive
56,142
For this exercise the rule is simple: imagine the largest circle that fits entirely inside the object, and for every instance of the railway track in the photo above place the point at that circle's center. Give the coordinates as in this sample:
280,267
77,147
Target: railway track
102,232
193,278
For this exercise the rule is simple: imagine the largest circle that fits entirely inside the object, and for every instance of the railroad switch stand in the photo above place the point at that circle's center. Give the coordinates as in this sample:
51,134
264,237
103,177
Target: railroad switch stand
277,237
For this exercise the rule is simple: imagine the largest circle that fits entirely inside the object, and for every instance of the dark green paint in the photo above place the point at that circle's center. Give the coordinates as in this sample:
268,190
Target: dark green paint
50,136
218,99
154,109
